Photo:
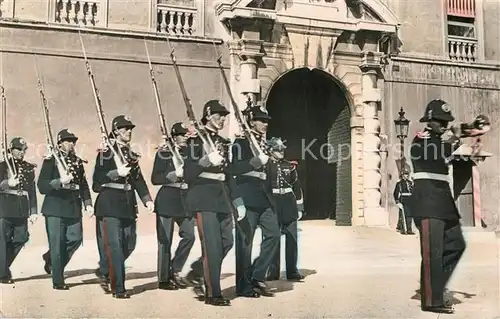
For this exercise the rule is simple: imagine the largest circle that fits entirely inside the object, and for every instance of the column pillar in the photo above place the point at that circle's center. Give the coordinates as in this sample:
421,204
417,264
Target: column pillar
374,214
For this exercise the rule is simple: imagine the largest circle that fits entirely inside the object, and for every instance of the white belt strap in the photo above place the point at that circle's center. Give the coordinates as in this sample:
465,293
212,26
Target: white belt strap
433,176
178,185
260,175
71,186
214,176
405,194
125,187
282,191
19,192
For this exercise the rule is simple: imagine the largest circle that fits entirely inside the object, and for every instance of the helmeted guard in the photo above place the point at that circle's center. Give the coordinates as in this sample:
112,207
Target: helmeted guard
252,185
65,194
209,198
18,202
116,205
402,193
289,204
432,204
168,171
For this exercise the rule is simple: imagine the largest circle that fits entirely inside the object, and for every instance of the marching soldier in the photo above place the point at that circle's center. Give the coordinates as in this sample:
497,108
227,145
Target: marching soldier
252,185
116,205
402,193
289,204
18,202
208,197
169,207
65,192
432,204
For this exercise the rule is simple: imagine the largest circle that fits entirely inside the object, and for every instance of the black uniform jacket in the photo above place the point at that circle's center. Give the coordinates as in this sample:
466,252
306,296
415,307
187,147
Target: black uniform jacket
286,190
402,190
254,191
432,198
118,202
171,196
205,194
20,201
64,200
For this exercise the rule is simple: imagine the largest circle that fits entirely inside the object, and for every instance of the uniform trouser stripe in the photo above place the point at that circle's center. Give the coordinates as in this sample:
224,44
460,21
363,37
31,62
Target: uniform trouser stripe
426,259
206,268
111,269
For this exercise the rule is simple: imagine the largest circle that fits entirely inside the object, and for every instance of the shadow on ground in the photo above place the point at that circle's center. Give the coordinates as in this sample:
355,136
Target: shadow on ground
277,286
449,296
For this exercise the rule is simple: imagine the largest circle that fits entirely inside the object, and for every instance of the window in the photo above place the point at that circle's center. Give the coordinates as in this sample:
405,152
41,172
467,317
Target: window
462,34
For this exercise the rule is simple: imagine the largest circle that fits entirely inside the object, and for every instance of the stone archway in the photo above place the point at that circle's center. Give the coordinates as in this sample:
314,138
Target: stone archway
311,110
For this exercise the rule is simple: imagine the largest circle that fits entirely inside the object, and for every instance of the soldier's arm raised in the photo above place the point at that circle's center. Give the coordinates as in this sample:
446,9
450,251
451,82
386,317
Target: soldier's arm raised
104,170
163,169
241,162
297,190
47,182
195,163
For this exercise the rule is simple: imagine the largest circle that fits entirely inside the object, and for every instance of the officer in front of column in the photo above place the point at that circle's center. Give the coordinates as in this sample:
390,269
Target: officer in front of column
18,202
402,193
170,208
289,205
65,194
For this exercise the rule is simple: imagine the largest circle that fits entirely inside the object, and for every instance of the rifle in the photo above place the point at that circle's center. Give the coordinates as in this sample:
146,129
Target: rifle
117,154
12,173
53,149
244,128
169,141
208,143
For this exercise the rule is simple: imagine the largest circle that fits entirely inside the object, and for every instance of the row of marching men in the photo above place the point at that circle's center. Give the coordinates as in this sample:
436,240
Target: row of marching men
228,188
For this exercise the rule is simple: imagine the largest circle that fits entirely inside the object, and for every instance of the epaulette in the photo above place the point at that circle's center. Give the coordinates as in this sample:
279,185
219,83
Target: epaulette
294,163
423,135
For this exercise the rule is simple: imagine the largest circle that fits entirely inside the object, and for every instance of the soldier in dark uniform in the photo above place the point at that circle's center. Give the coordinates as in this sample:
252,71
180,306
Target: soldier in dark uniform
65,192
18,202
289,205
432,204
402,193
170,209
208,196
116,204
252,182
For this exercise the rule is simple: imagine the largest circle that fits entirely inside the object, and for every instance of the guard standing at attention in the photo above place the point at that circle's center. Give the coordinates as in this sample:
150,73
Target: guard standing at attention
65,193
18,202
402,193
116,205
432,204
170,209
208,196
252,184
289,204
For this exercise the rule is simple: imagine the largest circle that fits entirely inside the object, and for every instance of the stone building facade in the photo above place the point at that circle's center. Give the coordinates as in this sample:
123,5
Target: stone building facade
333,74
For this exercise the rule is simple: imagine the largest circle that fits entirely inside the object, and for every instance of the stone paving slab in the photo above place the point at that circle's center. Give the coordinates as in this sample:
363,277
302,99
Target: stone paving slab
352,272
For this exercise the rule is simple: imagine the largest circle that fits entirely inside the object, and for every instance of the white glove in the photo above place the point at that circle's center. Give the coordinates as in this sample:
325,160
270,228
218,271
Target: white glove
13,181
300,215
263,158
150,206
33,218
215,158
66,179
179,172
90,210
242,212
123,171
399,205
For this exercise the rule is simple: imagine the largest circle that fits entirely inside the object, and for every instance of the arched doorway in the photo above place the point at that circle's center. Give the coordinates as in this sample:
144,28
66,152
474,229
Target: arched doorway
311,112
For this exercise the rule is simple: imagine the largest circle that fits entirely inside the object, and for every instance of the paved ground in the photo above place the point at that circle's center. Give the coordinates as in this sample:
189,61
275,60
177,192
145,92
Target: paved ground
351,273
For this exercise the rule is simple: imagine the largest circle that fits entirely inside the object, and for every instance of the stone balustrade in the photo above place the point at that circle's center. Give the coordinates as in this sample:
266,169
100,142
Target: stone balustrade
78,12
176,20
462,49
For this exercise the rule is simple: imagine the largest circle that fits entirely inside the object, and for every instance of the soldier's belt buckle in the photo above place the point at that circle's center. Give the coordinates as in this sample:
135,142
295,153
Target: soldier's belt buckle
127,187
72,186
20,192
